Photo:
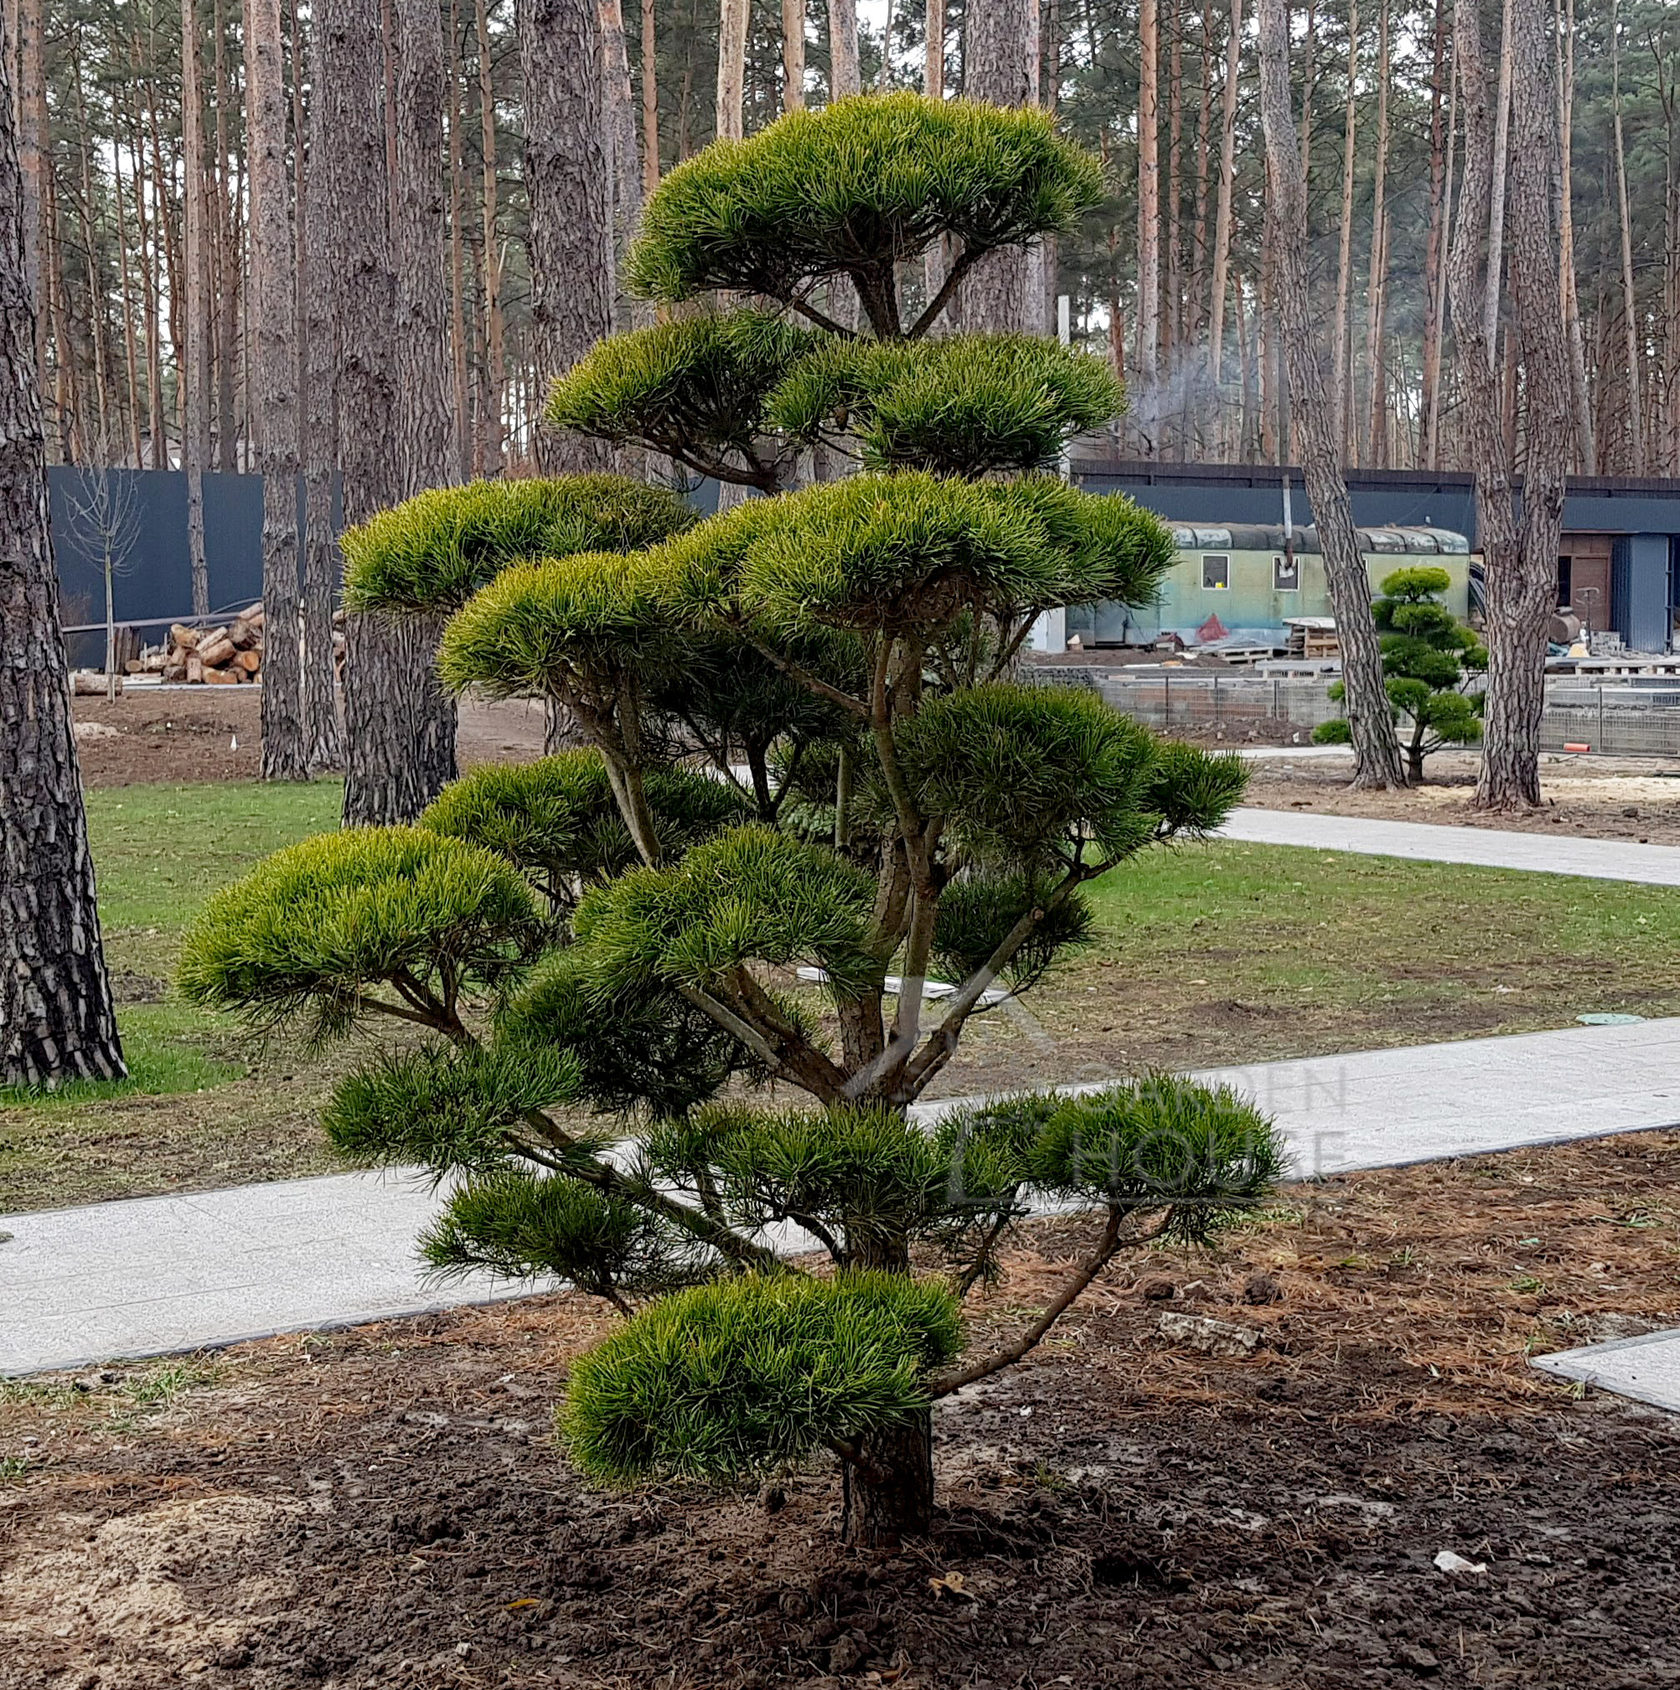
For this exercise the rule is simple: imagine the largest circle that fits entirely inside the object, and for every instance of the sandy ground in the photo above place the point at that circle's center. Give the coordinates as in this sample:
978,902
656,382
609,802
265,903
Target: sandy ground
187,734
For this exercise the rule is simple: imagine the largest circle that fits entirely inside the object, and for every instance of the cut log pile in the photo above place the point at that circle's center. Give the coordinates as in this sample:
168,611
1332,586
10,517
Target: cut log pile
222,656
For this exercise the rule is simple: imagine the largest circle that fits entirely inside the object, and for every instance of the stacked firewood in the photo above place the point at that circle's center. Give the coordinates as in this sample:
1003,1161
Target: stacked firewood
222,656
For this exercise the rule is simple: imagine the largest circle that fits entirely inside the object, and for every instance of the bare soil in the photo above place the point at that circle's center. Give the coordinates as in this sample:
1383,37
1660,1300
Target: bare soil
163,735
1636,799
385,1507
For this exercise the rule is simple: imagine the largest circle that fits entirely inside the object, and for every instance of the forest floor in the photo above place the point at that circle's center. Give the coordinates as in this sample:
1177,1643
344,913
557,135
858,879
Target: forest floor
1210,955
385,1506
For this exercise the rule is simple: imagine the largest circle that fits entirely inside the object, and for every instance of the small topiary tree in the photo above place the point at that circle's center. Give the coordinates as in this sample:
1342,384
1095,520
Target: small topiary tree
1430,660
808,753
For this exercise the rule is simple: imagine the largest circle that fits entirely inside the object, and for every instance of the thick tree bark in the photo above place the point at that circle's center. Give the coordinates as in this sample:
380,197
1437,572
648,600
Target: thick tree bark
56,1017
1000,65
274,371
566,187
323,743
890,1486
1377,759
1519,550
195,432
398,758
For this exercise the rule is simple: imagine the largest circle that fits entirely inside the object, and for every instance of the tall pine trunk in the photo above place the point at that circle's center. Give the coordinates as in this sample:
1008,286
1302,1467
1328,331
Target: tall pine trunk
1376,288
1222,212
1342,374
1147,403
1005,291
56,1017
274,368
195,431
397,759
491,434
1519,547
732,67
1630,304
1377,757
1585,448
567,191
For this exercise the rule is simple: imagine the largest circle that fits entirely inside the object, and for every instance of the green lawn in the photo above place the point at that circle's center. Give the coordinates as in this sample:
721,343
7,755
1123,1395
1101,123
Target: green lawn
1211,954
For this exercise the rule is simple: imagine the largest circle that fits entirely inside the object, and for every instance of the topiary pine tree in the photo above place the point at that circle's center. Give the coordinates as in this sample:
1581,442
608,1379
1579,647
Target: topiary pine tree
809,758
1429,660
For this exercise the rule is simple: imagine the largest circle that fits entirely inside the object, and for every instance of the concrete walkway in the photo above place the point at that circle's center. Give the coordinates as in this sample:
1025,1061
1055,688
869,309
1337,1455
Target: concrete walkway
160,1274
1485,847
1646,1369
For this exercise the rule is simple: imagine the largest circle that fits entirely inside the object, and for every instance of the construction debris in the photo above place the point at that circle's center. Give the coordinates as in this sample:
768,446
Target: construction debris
221,656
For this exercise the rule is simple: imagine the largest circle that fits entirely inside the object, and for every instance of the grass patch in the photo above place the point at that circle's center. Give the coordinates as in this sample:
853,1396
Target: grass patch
1205,955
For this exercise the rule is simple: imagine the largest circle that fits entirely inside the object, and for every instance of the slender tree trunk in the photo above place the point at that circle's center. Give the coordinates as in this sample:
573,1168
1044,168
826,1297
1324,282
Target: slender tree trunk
1586,450
427,446
1342,376
732,67
1438,289
1001,66
1377,286
650,95
1630,307
195,435
275,371
935,262
566,186
793,55
1222,214
490,421
457,278
1440,122
624,167
1175,335
1146,402
131,350
32,152
1519,550
57,1021
845,77
1376,745
323,743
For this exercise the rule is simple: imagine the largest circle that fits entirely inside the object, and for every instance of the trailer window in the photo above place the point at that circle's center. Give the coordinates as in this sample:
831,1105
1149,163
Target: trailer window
1216,572
1286,574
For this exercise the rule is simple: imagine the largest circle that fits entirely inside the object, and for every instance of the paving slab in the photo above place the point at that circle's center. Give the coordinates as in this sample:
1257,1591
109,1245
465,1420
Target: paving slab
1483,847
156,1275
1646,1368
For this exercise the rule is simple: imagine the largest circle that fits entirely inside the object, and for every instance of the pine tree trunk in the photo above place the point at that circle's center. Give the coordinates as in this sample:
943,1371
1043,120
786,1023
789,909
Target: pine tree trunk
1586,451
1146,403
56,1017
195,433
566,188
1222,213
491,441
1342,375
1520,552
399,755
650,95
32,154
322,741
1376,745
624,172
457,276
1376,432
891,1486
732,67
1440,124
275,370
793,55
1630,307
1499,184
845,77
1005,291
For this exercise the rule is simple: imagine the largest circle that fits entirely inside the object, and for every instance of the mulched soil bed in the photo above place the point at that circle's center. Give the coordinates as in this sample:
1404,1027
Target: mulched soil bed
384,1507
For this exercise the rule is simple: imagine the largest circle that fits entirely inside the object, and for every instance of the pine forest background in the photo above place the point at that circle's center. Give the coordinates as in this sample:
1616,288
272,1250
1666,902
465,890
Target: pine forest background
101,119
